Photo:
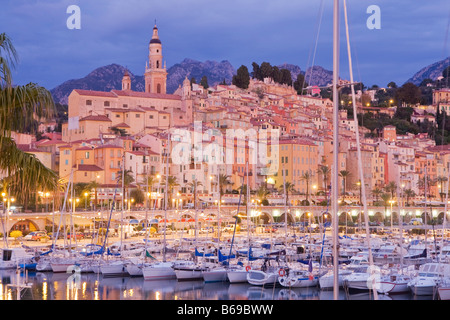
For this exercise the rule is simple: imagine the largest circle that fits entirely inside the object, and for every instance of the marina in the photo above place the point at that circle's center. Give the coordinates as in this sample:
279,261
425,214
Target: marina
152,194
268,267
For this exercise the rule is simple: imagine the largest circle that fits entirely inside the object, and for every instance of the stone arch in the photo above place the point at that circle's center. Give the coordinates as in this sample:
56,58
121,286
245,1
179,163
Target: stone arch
428,215
345,216
290,218
25,225
440,217
378,216
265,218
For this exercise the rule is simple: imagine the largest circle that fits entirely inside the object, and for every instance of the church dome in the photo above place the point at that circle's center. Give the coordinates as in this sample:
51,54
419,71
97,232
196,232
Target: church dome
155,41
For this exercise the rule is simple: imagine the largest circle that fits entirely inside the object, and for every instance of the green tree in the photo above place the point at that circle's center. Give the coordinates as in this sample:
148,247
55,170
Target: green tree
194,185
300,83
285,77
391,188
307,178
204,82
344,174
377,192
409,93
289,186
409,193
19,107
261,193
265,70
127,181
171,184
242,78
256,74
94,185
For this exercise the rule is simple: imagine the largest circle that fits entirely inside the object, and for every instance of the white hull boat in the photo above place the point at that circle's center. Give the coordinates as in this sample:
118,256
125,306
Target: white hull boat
444,290
43,265
237,274
218,274
62,265
159,271
393,284
262,278
327,280
188,270
13,257
298,279
423,286
114,269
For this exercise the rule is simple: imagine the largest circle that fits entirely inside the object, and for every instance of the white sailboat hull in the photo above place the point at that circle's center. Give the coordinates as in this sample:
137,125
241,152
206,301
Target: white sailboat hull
261,278
237,276
189,273
160,271
114,269
444,293
215,275
298,282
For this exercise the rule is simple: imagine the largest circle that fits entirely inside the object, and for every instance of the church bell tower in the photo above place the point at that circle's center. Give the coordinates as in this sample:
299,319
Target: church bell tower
155,71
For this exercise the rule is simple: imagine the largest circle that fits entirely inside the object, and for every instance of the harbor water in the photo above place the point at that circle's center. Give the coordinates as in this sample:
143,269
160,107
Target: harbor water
92,286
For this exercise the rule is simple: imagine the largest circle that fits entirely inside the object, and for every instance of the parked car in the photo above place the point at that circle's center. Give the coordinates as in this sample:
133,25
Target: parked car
35,235
77,235
228,228
207,230
161,231
270,229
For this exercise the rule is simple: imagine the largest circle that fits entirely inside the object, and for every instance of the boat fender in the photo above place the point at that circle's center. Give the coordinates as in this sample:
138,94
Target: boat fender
247,268
281,272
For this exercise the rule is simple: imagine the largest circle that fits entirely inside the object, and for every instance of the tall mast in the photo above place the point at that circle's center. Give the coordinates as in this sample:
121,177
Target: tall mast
358,147
166,195
335,177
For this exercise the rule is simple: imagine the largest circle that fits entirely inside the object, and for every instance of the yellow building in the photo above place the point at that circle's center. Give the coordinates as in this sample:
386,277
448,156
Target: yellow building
298,162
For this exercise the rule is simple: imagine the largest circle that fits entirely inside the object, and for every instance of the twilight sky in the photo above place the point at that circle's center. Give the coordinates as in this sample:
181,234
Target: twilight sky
413,34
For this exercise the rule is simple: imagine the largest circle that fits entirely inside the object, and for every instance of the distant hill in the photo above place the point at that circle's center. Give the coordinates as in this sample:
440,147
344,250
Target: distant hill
109,77
215,71
431,71
105,78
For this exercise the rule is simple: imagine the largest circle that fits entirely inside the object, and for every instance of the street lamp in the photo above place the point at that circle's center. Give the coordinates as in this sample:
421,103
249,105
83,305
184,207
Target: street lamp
85,201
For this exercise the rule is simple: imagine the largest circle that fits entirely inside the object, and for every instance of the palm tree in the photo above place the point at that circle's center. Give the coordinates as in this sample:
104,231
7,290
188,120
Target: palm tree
325,172
223,181
194,187
391,187
127,180
289,189
20,106
441,180
262,193
306,177
171,183
385,197
344,174
377,192
409,193
94,185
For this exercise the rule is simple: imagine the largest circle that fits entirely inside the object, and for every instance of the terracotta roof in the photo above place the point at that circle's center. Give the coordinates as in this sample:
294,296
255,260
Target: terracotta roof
139,94
89,167
96,118
95,93
121,125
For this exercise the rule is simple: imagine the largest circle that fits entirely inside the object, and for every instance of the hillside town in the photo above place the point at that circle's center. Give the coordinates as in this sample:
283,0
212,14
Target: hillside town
138,134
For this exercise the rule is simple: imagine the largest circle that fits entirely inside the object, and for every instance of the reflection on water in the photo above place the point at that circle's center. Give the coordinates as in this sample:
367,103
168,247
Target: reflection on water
90,286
